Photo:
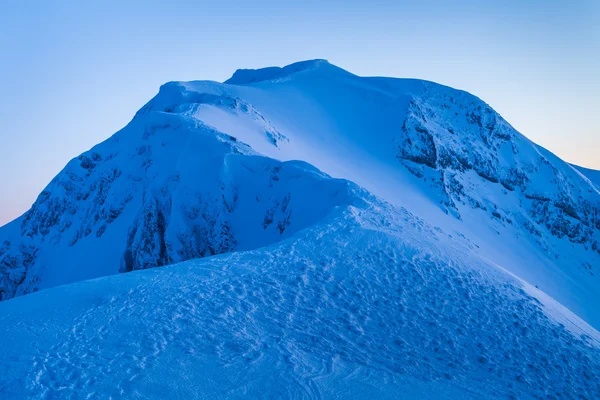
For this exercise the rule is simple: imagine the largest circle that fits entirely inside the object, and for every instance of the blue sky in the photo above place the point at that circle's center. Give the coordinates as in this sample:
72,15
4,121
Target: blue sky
74,72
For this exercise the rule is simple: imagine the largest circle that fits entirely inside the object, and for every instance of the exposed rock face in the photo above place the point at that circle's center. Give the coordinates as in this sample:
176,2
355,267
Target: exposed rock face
15,262
475,158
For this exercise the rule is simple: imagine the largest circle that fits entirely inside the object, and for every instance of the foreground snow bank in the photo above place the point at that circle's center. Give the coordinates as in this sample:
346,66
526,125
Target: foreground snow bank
368,303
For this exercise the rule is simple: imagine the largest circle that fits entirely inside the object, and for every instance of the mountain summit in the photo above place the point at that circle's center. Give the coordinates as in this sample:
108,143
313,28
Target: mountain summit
247,76
464,254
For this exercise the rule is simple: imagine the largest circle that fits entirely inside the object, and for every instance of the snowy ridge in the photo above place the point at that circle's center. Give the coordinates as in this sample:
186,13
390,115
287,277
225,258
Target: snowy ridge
592,175
248,76
551,194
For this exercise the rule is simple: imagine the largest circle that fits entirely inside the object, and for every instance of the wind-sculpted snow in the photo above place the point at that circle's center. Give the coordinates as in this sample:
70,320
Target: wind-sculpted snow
370,302
174,97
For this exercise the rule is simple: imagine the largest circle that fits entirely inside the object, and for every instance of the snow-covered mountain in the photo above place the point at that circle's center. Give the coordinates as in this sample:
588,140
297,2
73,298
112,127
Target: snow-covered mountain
165,188
461,250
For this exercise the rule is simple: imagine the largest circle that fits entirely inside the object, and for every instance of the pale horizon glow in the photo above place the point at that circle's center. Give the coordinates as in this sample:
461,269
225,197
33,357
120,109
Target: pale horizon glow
73,73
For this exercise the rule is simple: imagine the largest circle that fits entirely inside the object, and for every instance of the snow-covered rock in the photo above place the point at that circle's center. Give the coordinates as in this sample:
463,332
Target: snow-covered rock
164,189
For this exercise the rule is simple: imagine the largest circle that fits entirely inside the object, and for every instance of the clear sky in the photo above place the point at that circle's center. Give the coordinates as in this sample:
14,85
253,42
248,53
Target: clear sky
74,72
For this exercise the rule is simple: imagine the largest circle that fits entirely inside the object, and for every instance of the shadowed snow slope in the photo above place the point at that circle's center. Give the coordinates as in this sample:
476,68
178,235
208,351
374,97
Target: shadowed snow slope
370,302
468,273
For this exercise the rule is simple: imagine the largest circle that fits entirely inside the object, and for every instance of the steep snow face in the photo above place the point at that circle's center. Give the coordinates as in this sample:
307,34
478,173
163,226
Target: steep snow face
164,189
369,302
592,175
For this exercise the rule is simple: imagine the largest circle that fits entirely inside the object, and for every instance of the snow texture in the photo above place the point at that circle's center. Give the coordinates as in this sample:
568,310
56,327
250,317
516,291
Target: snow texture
371,302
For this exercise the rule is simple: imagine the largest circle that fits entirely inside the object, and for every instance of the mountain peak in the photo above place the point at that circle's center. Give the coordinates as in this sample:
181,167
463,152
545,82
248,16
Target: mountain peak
247,76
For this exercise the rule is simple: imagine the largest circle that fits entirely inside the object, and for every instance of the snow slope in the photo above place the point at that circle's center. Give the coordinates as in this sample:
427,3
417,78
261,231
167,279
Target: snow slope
592,175
370,302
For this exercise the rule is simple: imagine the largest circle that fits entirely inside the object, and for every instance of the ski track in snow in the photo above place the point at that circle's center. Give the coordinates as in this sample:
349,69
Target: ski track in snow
341,311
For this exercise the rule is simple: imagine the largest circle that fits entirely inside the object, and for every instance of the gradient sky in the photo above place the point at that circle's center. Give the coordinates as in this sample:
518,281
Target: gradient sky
74,72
